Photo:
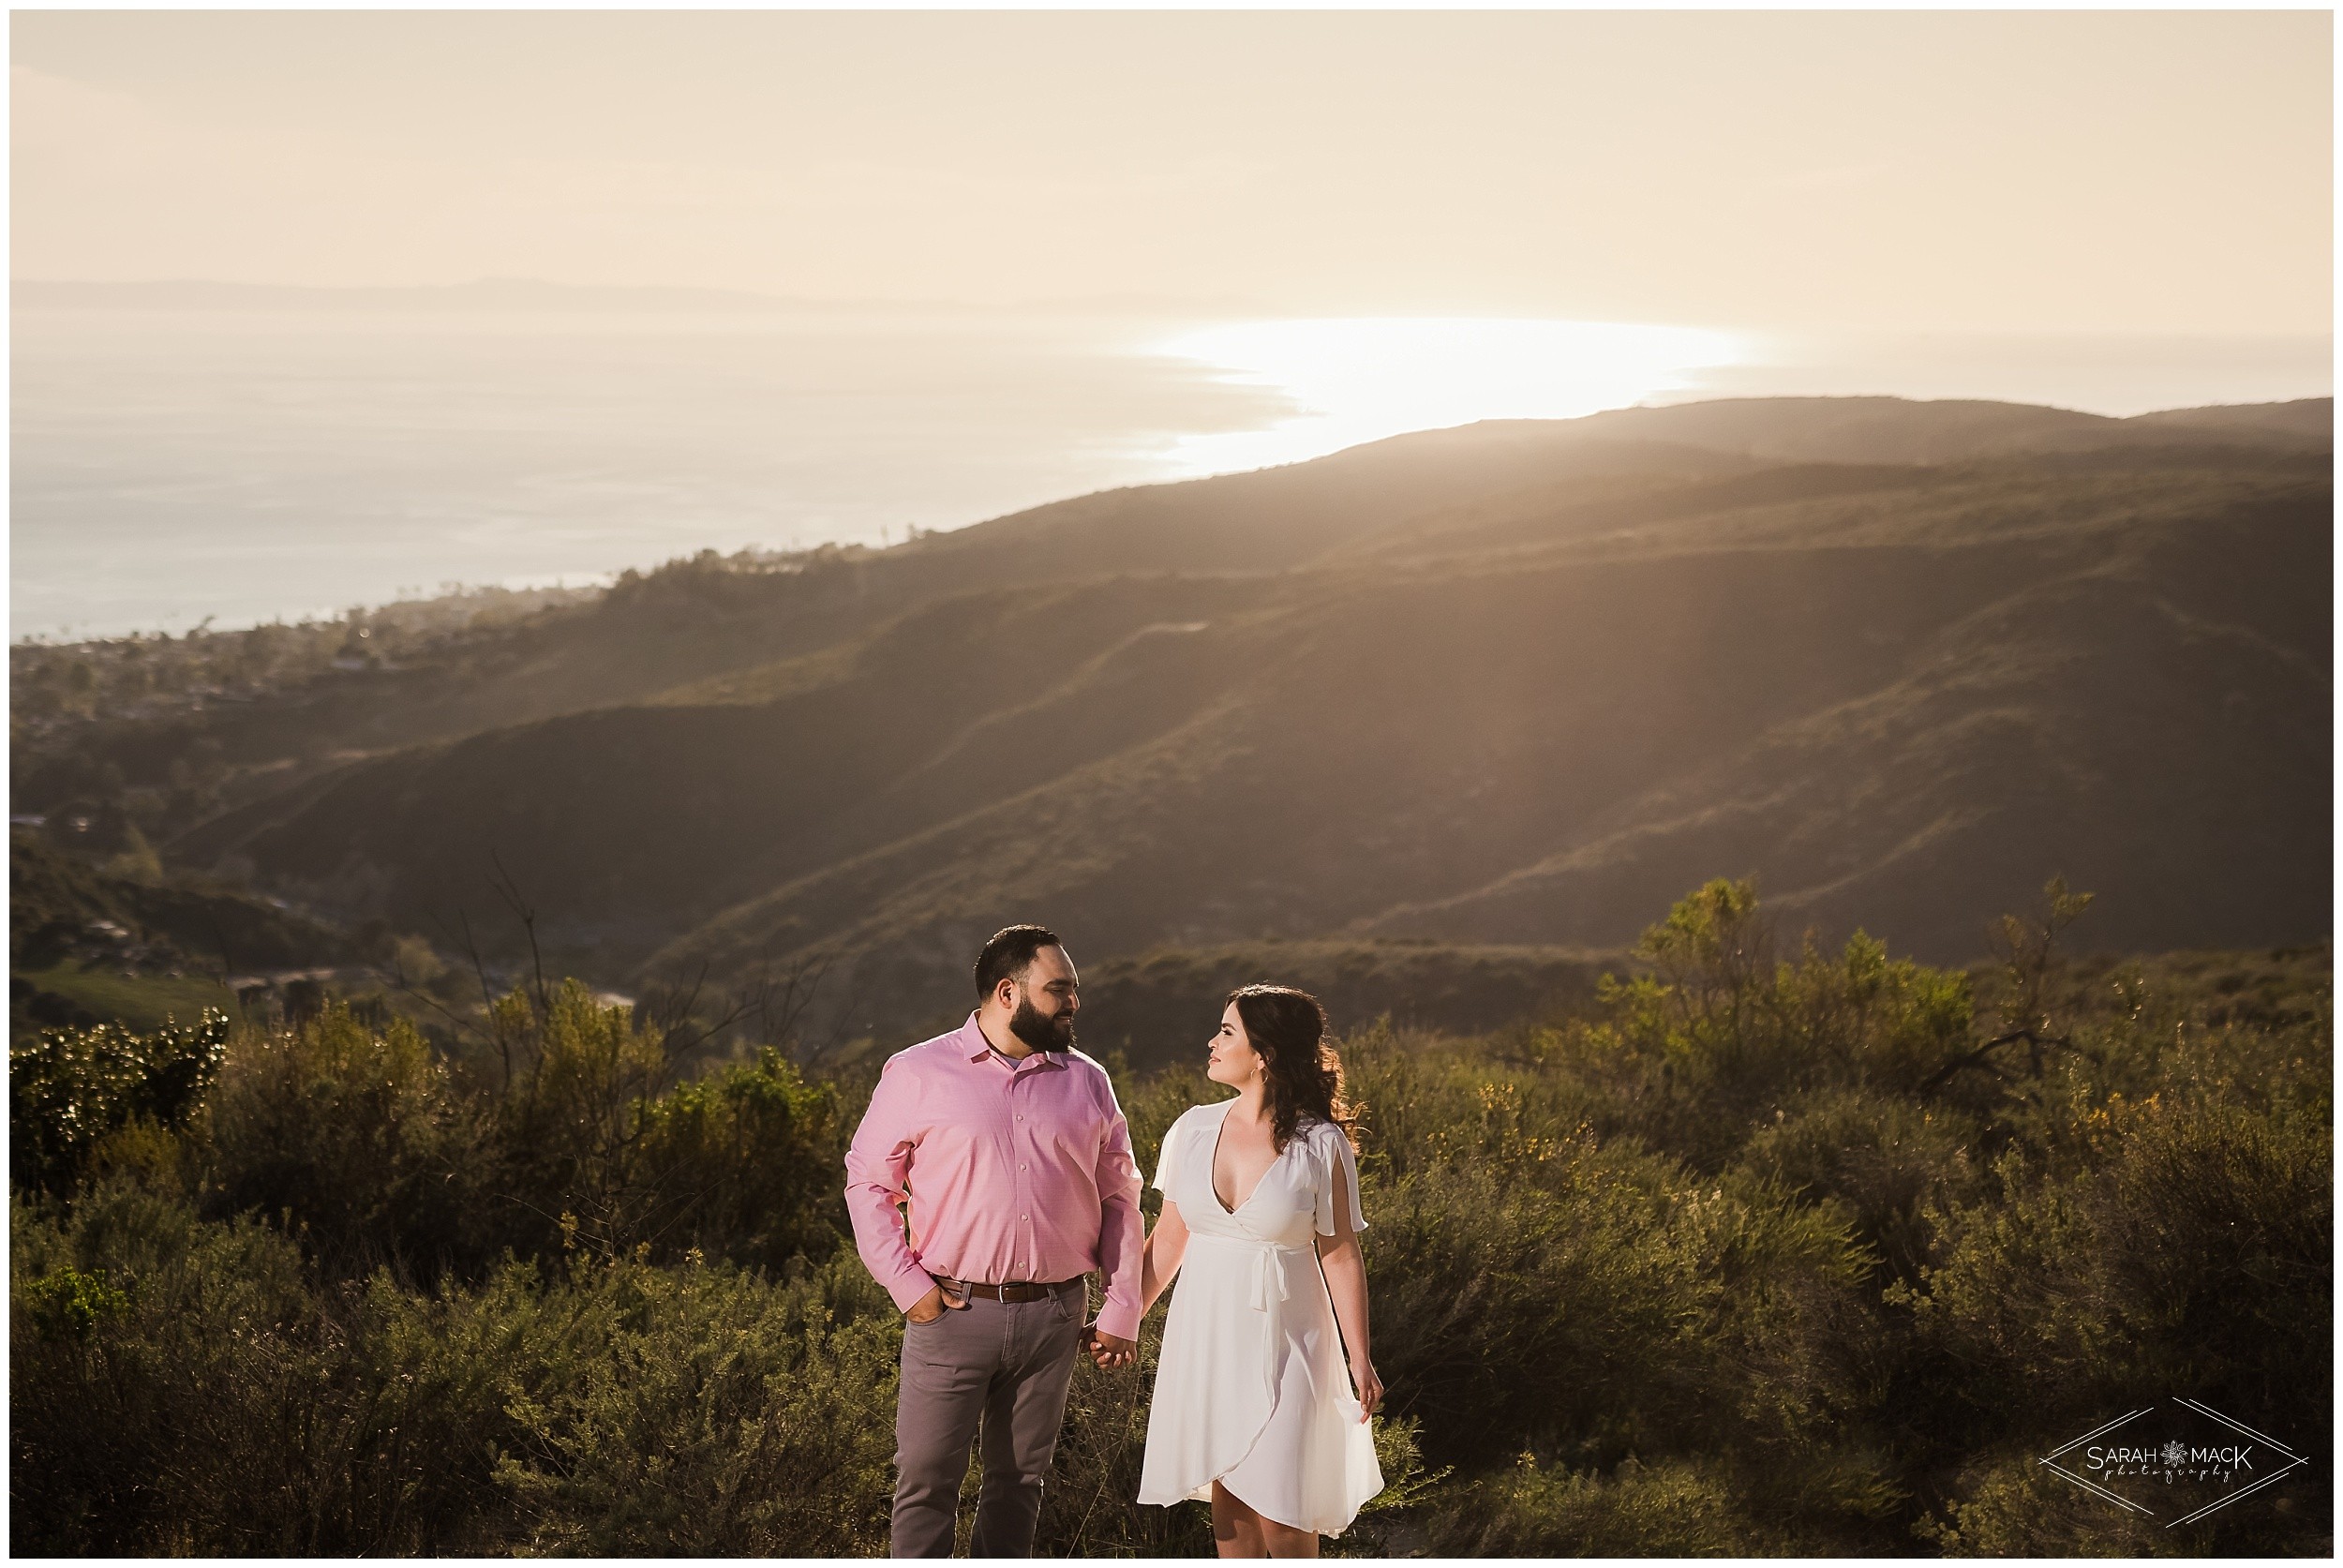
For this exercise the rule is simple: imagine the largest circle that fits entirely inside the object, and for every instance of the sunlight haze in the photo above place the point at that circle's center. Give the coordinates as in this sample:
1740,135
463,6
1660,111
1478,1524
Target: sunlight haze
2072,171
1360,381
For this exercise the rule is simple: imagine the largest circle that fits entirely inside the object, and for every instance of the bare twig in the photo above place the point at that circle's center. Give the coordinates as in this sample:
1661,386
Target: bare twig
488,996
1982,1057
2028,950
509,890
395,976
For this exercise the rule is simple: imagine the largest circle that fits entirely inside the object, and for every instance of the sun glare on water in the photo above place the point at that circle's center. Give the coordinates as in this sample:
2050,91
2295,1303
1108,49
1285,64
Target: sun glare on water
1362,379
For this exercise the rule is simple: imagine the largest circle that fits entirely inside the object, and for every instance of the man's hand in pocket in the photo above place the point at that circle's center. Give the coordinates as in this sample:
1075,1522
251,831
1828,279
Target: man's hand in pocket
934,1305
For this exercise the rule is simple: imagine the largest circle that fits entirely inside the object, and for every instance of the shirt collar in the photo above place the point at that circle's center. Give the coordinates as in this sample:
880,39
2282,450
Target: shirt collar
978,1048
973,1043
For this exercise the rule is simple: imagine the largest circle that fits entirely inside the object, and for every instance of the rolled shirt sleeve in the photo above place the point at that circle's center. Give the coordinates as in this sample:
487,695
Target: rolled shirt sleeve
878,1162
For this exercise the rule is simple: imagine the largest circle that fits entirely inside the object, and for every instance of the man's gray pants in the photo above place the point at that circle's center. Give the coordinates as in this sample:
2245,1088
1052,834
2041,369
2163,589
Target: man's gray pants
1004,1366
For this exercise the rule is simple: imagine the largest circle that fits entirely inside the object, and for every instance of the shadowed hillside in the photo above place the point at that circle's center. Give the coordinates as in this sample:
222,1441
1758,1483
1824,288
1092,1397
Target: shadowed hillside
1515,683
1161,1006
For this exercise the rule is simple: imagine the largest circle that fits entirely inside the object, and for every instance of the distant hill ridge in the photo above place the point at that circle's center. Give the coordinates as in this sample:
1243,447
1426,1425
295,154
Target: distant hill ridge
528,295
1515,683
482,294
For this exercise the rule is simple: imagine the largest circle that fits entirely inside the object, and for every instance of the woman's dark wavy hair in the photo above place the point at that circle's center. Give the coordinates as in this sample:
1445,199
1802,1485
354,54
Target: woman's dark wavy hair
1287,1027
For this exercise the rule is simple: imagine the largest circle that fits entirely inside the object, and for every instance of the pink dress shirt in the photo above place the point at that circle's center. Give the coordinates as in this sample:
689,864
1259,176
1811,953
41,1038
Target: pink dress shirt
1014,1172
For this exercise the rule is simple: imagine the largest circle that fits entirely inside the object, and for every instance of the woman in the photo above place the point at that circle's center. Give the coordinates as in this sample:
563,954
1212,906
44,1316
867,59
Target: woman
1253,1409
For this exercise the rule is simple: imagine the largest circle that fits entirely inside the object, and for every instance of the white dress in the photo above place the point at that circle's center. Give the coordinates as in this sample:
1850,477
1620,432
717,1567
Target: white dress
1251,1386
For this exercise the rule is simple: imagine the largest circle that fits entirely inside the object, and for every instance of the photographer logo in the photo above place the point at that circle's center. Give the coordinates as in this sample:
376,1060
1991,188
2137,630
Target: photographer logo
2178,1461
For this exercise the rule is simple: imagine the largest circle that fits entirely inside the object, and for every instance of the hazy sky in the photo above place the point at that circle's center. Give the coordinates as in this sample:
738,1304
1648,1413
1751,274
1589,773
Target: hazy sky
2102,172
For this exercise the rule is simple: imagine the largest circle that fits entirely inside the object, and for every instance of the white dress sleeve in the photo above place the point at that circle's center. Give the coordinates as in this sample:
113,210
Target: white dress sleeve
1166,1156
1336,1163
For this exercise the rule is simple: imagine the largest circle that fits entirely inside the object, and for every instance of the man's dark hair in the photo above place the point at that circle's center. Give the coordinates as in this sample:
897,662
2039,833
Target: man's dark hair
1009,952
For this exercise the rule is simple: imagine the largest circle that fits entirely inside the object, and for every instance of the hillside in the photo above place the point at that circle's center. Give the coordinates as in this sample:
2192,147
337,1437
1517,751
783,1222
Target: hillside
707,619
1161,1006
59,907
1514,684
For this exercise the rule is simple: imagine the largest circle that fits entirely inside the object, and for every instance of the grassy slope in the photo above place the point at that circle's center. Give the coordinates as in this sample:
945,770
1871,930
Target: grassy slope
137,1001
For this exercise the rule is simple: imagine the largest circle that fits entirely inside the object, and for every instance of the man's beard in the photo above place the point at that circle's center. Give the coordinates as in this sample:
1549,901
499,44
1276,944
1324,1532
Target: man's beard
1041,1031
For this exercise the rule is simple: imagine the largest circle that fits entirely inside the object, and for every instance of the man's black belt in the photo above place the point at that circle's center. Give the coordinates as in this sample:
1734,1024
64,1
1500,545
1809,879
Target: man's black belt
1026,1291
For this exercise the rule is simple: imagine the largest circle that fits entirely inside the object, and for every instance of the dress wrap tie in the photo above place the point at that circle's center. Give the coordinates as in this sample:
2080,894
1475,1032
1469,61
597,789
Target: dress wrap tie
1269,1274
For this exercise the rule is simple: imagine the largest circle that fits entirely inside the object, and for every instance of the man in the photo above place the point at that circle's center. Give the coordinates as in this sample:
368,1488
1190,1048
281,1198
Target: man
1017,1165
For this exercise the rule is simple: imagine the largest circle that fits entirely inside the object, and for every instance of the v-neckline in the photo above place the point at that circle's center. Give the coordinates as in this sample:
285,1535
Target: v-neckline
1212,1163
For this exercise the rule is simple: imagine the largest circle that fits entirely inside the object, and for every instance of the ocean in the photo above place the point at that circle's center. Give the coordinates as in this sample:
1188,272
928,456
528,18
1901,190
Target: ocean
237,466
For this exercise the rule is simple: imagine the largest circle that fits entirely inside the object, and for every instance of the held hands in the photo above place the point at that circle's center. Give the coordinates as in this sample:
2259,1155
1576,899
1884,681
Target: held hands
1371,1388
1107,1350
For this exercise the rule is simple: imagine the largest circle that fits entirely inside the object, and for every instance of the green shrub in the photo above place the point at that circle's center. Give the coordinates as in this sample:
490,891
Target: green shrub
69,1088
193,1416
747,1166
1506,1312
214,1401
2196,1259
716,1415
2194,1262
1703,1049
1770,1256
1890,1164
1669,1509
65,1304
357,1135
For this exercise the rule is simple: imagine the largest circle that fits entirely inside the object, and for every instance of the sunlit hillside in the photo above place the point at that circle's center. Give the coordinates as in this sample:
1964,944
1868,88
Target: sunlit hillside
1511,684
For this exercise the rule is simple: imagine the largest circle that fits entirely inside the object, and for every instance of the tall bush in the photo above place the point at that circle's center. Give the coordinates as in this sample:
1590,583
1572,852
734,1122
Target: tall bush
69,1089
